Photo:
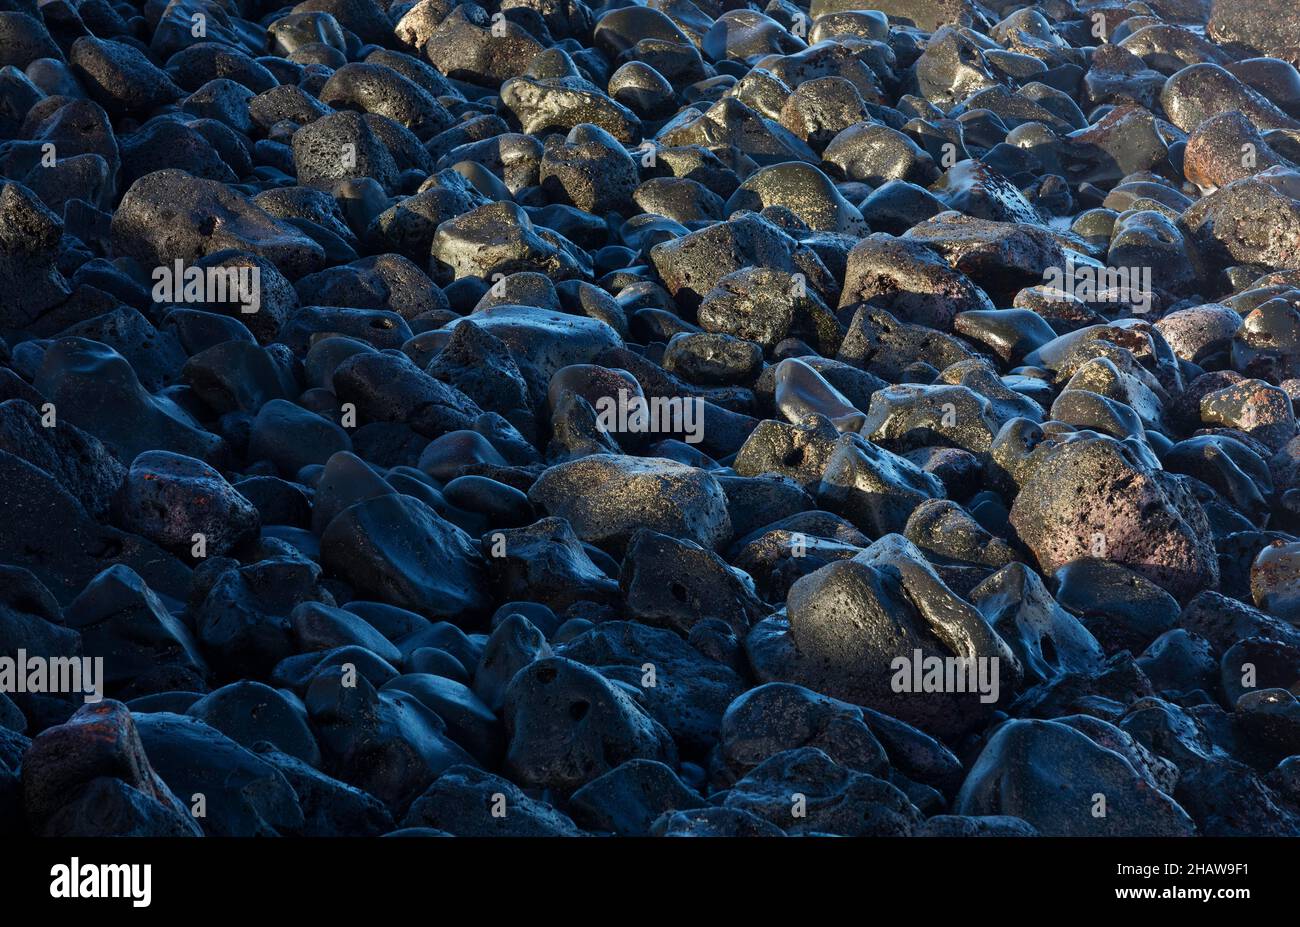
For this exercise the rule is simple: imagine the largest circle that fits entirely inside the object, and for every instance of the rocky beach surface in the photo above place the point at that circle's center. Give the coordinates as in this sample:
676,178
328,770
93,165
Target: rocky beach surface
698,418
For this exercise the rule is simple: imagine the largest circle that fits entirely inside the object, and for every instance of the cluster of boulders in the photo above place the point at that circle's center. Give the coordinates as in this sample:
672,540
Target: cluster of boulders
690,418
